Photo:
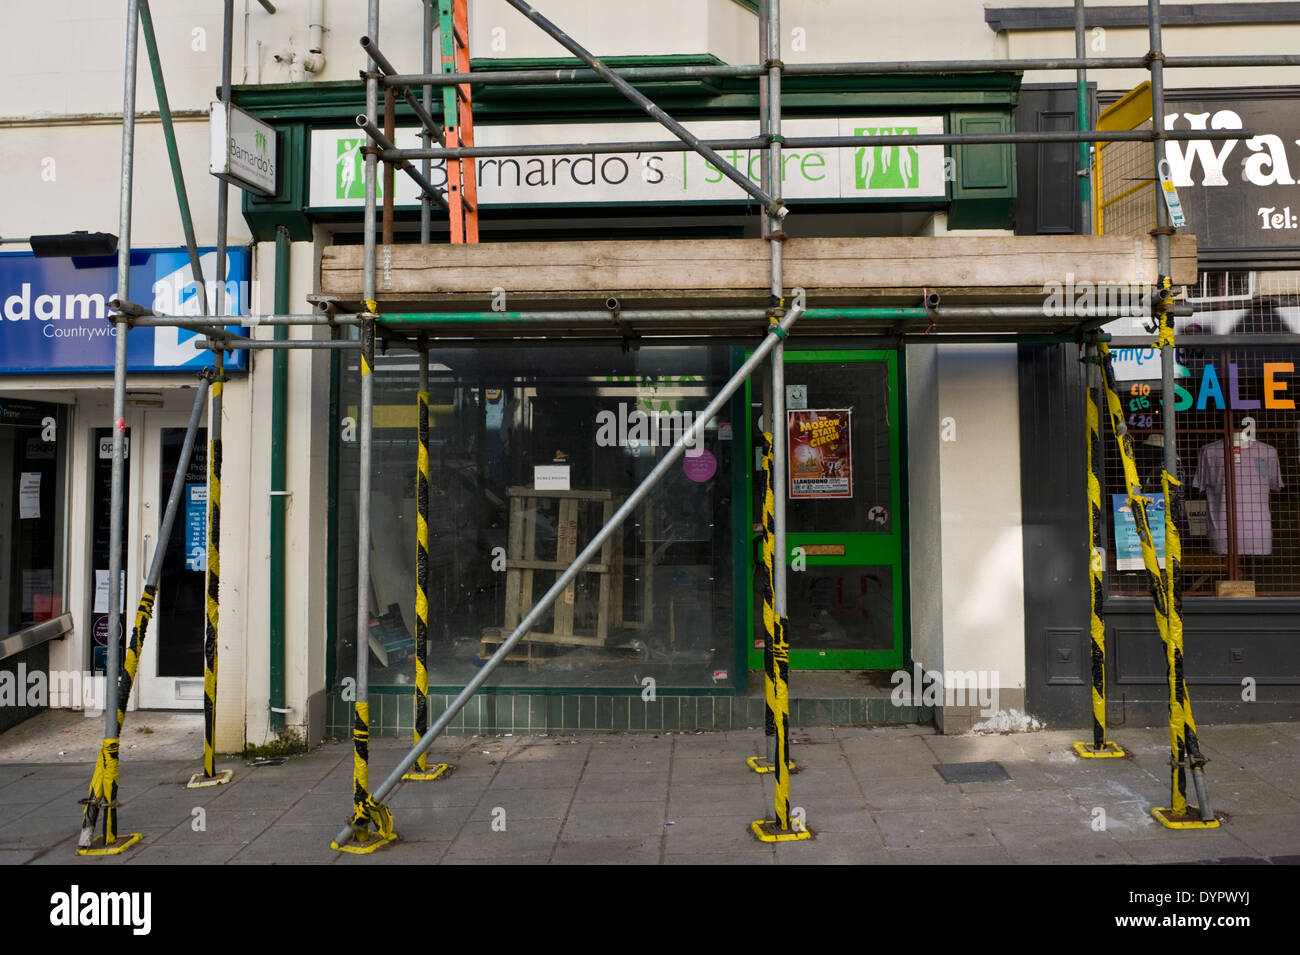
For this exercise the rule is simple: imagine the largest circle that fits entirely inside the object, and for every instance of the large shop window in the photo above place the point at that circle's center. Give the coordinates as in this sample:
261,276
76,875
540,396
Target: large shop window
32,474
531,449
1238,445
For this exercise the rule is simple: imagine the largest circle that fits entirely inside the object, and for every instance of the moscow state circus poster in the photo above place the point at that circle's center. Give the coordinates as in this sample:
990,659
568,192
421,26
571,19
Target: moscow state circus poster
821,462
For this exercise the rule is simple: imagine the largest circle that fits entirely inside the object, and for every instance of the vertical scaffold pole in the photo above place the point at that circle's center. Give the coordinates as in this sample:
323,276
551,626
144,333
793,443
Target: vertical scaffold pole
1100,747
366,810
766,762
426,140
210,776
776,681
422,770
1185,748
103,786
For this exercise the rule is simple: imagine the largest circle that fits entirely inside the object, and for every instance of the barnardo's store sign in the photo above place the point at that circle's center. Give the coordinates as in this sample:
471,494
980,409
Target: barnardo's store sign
874,172
1239,194
53,311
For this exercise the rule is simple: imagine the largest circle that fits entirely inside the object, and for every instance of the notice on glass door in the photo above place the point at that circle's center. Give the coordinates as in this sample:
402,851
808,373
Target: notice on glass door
820,456
29,496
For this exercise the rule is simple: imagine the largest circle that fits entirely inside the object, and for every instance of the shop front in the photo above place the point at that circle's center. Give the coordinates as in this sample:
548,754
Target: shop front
56,449
1238,449
533,444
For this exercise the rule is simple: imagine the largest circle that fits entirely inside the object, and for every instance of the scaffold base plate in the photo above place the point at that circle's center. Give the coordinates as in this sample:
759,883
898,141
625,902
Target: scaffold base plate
199,781
428,775
376,841
97,847
760,764
1191,819
767,830
1109,750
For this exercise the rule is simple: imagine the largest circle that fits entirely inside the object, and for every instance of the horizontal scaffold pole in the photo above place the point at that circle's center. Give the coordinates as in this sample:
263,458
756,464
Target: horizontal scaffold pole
747,71
881,313
154,320
271,344
814,142
776,333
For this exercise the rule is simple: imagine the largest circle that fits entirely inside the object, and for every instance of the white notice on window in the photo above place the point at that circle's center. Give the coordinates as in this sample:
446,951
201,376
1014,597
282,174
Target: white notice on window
29,496
101,592
551,477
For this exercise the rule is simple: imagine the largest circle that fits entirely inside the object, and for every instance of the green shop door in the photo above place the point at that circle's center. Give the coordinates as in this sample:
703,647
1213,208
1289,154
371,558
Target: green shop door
844,520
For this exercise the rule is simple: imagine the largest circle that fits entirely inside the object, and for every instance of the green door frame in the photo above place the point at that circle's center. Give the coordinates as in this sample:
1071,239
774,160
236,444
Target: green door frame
859,548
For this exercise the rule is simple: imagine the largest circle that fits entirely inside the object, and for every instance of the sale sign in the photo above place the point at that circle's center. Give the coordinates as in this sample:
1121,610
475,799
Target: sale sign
820,456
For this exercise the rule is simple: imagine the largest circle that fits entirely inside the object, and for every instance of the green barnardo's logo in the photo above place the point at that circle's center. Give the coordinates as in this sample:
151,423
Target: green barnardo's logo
349,171
886,167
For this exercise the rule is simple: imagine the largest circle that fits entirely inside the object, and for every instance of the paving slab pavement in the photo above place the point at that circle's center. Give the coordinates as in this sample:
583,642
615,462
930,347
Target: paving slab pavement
869,795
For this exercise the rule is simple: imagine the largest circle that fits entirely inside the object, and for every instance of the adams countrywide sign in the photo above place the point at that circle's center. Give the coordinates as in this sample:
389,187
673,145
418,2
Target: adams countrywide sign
874,172
1239,194
53,311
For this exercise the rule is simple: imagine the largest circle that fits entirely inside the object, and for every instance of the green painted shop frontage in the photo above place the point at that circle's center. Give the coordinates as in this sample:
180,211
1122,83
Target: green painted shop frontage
532,446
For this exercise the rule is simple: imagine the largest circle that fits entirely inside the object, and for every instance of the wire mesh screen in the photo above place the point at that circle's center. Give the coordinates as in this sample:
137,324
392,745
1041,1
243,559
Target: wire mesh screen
1126,193
1238,445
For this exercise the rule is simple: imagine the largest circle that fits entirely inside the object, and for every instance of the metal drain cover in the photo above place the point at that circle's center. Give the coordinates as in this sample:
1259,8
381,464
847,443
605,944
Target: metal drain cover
972,772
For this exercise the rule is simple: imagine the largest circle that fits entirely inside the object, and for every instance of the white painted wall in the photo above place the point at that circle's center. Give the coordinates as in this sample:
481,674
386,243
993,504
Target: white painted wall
925,501
982,560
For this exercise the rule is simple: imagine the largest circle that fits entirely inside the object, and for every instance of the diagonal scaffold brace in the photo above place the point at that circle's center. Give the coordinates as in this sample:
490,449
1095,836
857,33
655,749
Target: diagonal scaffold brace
103,784
1166,596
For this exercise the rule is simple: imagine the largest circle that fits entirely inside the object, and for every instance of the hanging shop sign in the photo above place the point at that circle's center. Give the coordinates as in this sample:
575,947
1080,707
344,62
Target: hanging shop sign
872,172
1238,194
53,311
243,150
820,456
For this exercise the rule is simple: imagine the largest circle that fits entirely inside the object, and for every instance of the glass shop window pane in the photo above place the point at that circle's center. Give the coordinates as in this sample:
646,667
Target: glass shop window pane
32,475
530,452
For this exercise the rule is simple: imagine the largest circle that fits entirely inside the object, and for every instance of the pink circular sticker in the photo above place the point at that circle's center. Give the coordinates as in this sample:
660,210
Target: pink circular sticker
700,468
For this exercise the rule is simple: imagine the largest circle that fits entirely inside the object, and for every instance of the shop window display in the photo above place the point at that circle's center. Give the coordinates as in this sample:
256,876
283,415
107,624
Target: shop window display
1238,448
530,451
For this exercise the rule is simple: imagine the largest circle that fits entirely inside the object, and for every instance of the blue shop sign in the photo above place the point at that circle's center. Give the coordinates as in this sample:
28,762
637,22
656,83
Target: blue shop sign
52,311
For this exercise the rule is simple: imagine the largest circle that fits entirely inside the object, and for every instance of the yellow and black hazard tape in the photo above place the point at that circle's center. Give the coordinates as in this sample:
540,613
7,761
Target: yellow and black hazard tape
761,764
103,795
210,776
1184,748
1100,747
368,341
776,673
366,811
1165,589
422,770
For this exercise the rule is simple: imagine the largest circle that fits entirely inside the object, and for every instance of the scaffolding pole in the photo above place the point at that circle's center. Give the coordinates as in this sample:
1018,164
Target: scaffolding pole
105,795
367,809
393,154
1185,748
777,650
212,602
566,75
173,154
